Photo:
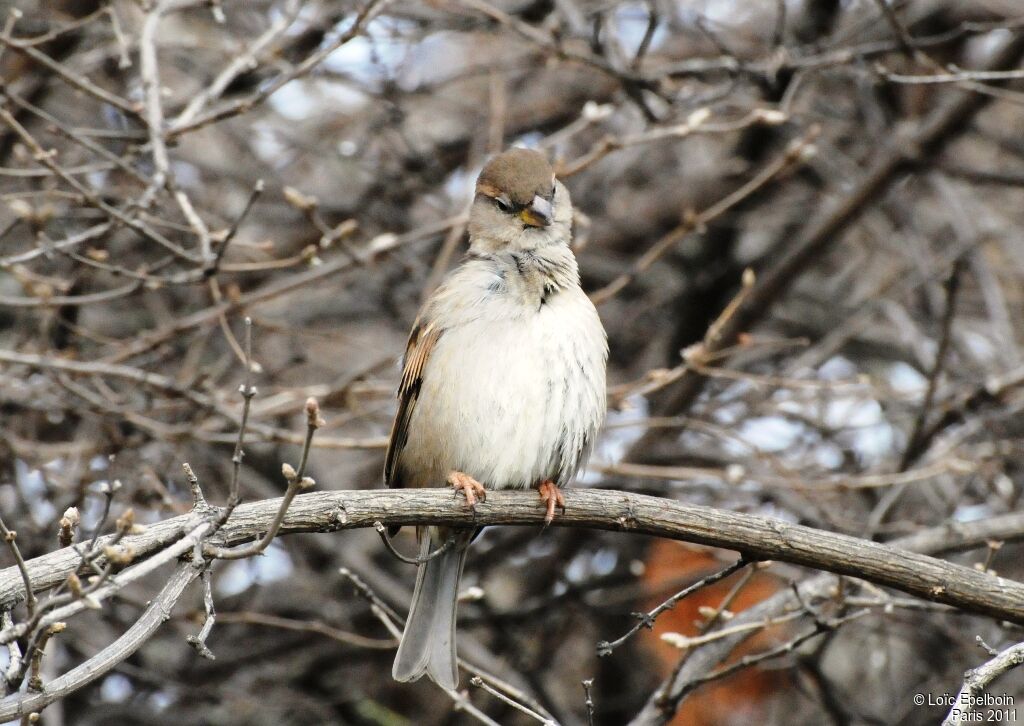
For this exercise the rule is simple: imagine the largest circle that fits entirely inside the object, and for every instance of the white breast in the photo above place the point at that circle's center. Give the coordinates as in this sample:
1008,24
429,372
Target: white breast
512,396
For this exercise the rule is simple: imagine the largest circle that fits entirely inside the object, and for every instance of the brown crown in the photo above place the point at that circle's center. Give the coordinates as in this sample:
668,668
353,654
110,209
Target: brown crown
519,173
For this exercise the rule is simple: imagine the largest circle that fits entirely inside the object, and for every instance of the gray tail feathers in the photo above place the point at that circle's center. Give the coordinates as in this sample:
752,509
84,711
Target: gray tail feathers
428,643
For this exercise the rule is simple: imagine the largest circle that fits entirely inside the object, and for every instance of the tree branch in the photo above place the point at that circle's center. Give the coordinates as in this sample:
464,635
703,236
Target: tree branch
754,536
158,611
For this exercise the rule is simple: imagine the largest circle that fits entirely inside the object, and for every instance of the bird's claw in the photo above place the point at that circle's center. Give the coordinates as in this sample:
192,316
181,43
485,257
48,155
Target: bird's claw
470,488
552,497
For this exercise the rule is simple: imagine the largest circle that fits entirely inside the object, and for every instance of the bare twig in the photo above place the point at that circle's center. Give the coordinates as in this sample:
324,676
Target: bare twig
257,190
392,622
901,32
297,481
697,123
820,626
685,642
248,392
390,617
10,537
368,12
915,441
588,700
480,683
13,654
795,154
719,645
156,613
75,79
386,539
46,158
240,63
664,696
646,620
35,679
958,76
182,541
275,288
308,626
919,438
199,641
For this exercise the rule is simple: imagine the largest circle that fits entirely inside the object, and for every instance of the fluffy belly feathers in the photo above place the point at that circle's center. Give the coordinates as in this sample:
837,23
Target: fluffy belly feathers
525,406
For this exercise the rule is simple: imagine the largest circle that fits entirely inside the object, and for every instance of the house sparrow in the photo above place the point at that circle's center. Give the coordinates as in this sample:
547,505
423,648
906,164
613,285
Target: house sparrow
503,383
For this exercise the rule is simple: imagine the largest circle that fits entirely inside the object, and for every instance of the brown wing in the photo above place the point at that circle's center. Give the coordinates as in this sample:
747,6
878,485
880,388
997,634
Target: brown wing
421,342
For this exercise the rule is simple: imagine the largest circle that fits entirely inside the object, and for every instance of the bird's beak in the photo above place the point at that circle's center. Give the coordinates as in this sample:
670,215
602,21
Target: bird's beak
538,214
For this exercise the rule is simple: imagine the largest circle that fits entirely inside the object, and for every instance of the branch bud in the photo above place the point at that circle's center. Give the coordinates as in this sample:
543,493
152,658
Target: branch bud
313,418
302,202
119,555
126,521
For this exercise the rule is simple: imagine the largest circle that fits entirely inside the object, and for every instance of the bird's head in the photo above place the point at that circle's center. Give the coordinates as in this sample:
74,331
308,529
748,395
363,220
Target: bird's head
519,204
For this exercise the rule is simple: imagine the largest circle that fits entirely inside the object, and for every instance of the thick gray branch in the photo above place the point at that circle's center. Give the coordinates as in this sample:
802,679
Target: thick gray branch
759,537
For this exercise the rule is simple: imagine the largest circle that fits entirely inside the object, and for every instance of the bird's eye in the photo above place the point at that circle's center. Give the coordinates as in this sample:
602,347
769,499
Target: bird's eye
503,204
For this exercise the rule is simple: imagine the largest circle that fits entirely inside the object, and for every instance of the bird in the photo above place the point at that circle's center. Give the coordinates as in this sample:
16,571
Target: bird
502,387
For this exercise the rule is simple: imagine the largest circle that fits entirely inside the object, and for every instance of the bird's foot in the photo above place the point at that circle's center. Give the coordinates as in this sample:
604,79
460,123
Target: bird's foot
470,487
552,496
